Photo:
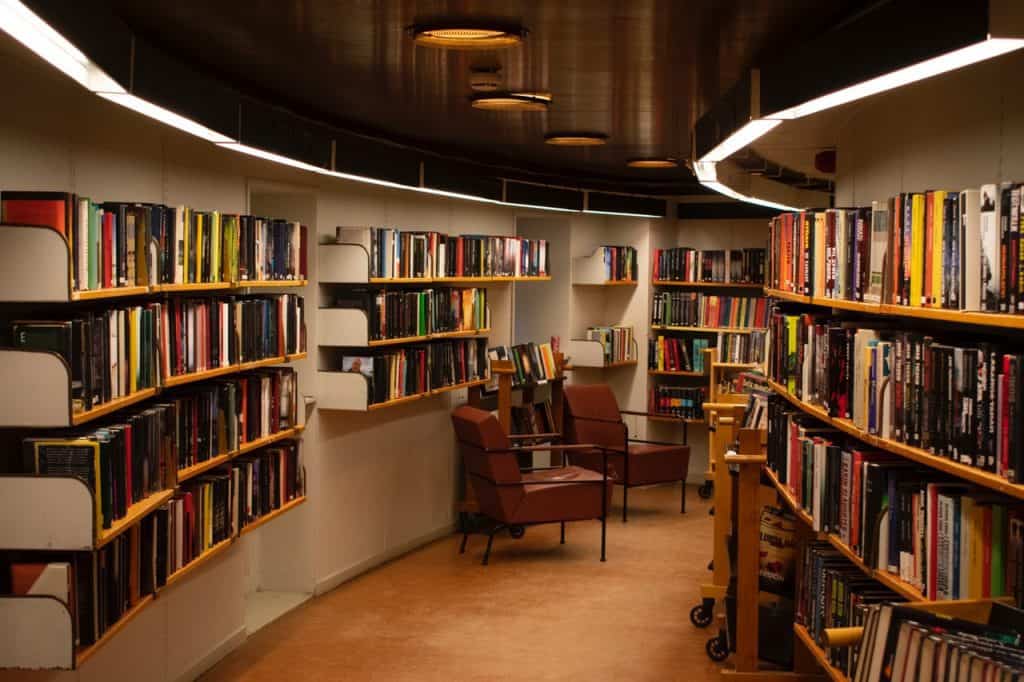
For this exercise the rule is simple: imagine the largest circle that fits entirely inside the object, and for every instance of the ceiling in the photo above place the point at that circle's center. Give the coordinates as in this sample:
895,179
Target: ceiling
640,71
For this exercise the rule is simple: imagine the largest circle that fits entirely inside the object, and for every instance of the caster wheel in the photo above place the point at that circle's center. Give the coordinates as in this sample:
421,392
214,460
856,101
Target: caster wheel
517,532
716,649
711,565
700,616
704,492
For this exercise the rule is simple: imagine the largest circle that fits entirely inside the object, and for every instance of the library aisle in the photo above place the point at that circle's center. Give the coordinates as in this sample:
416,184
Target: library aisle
539,611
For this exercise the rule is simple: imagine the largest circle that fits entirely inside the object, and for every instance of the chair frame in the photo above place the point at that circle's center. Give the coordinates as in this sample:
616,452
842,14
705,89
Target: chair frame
626,440
545,447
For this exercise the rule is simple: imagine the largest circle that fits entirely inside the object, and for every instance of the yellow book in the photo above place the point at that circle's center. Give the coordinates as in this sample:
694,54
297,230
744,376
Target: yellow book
791,328
200,229
917,237
215,236
819,253
57,468
938,218
133,350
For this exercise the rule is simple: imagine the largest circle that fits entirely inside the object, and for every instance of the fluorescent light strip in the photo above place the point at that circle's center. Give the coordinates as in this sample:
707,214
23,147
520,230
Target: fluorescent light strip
740,139
730,192
28,29
165,116
986,49
624,214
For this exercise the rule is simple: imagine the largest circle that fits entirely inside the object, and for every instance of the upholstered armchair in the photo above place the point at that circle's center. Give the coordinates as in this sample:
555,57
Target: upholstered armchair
593,416
514,497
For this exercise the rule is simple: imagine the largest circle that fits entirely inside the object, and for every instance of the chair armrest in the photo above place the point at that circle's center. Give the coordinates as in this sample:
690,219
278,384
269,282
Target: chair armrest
600,420
528,436
655,442
562,448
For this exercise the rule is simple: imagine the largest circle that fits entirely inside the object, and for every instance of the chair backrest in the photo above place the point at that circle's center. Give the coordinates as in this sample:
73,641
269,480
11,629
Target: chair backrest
493,467
593,401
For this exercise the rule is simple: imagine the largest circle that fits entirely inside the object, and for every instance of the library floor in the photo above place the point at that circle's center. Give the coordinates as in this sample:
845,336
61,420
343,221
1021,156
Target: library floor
539,611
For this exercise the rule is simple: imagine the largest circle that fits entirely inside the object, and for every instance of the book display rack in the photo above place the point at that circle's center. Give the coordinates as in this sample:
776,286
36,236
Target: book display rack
62,509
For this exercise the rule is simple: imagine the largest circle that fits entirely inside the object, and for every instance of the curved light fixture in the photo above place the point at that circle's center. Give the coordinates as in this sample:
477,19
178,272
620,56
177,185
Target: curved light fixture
653,163
467,37
512,101
576,139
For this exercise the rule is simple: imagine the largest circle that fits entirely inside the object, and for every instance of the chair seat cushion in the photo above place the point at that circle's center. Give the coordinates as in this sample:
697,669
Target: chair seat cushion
561,494
650,464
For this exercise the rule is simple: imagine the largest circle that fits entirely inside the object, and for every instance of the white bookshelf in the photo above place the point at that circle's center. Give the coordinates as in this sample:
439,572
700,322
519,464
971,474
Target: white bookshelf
38,633
343,264
54,512
38,389
590,271
587,353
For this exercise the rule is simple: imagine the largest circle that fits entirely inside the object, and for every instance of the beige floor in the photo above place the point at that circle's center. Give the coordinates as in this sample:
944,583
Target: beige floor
540,611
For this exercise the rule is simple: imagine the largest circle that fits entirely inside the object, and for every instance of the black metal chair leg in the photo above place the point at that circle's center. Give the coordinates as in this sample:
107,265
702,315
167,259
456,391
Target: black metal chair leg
625,498
682,499
490,541
462,549
604,525
563,533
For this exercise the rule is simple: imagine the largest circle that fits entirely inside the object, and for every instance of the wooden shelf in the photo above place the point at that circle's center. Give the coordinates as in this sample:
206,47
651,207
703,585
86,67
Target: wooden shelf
214,462
536,278
113,406
269,283
819,654
787,496
197,563
706,285
375,343
457,280
133,515
401,280
669,418
293,357
193,286
462,333
112,292
737,365
267,518
674,373
608,283
706,330
968,473
621,363
397,401
84,653
230,369
456,387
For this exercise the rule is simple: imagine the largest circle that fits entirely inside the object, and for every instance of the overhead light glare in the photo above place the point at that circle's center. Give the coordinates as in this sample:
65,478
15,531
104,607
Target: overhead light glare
986,49
576,139
730,192
624,214
512,101
740,139
468,37
28,29
652,163
165,116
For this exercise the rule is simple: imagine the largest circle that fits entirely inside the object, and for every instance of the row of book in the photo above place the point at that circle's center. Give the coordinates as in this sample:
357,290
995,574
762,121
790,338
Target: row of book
745,348
685,264
672,354
902,643
617,343
120,351
116,244
402,254
936,249
693,309
101,586
535,418
415,370
620,263
946,538
962,402
681,402
533,363
401,314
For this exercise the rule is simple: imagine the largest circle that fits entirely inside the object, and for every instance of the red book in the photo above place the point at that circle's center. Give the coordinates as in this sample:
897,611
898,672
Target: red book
108,245
1004,417
46,209
657,260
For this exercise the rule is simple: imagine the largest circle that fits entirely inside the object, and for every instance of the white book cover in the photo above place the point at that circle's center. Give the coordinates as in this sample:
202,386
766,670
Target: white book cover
861,376
82,245
989,263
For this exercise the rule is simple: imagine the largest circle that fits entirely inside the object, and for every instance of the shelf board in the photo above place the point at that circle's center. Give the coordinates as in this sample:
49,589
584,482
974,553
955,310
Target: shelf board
394,342
787,296
134,513
268,283
267,518
112,292
197,563
214,462
534,278
787,496
293,357
82,654
819,654
706,330
230,369
736,365
192,286
706,285
608,283
968,473
674,373
113,406
455,387
396,401
461,333
670,418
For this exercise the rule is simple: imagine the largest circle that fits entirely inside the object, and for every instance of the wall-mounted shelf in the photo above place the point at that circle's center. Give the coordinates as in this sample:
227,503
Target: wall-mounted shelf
38,634
591,271
670,418
267,518
349,327
705,285
349,391
672,373
214,462
587,353
705,330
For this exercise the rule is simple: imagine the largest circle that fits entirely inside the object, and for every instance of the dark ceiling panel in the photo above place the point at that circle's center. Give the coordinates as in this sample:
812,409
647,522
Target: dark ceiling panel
640,71
538,195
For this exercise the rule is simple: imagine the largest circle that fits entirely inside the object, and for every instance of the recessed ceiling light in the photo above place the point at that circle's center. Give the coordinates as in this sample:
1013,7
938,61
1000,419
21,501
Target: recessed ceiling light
576,139
467,37
485,80
512,101
652,163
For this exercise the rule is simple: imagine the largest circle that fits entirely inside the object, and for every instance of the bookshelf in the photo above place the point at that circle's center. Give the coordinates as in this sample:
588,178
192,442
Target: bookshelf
705,330
591,271
968,473
816,651
707,285
214,462
350,391
267,518
349,327
587,353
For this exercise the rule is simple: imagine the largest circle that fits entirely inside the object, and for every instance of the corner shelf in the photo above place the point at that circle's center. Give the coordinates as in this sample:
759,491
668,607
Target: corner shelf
590,271
589,354
705,285
969,473
350,392
706,330
349,327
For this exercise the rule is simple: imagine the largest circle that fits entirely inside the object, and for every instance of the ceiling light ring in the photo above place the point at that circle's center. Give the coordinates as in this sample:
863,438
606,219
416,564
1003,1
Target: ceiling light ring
576,139
467,35
511,101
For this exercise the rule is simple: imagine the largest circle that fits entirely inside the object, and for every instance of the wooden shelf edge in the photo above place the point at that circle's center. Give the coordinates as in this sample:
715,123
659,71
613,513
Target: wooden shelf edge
608,283
267,518
182,379
394,342
202,467
133,515
670,418
976,476
396,401
455,387
112,292
268,283
787,497
674,373
708,285
707,330
112,406
819,654
82,654
196,564
223,458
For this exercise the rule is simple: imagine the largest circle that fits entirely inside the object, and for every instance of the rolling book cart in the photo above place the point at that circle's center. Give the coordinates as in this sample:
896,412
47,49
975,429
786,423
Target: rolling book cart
59,513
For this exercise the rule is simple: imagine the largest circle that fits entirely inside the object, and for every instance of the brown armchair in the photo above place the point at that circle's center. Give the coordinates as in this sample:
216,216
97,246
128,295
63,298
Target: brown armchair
593,416
514,497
